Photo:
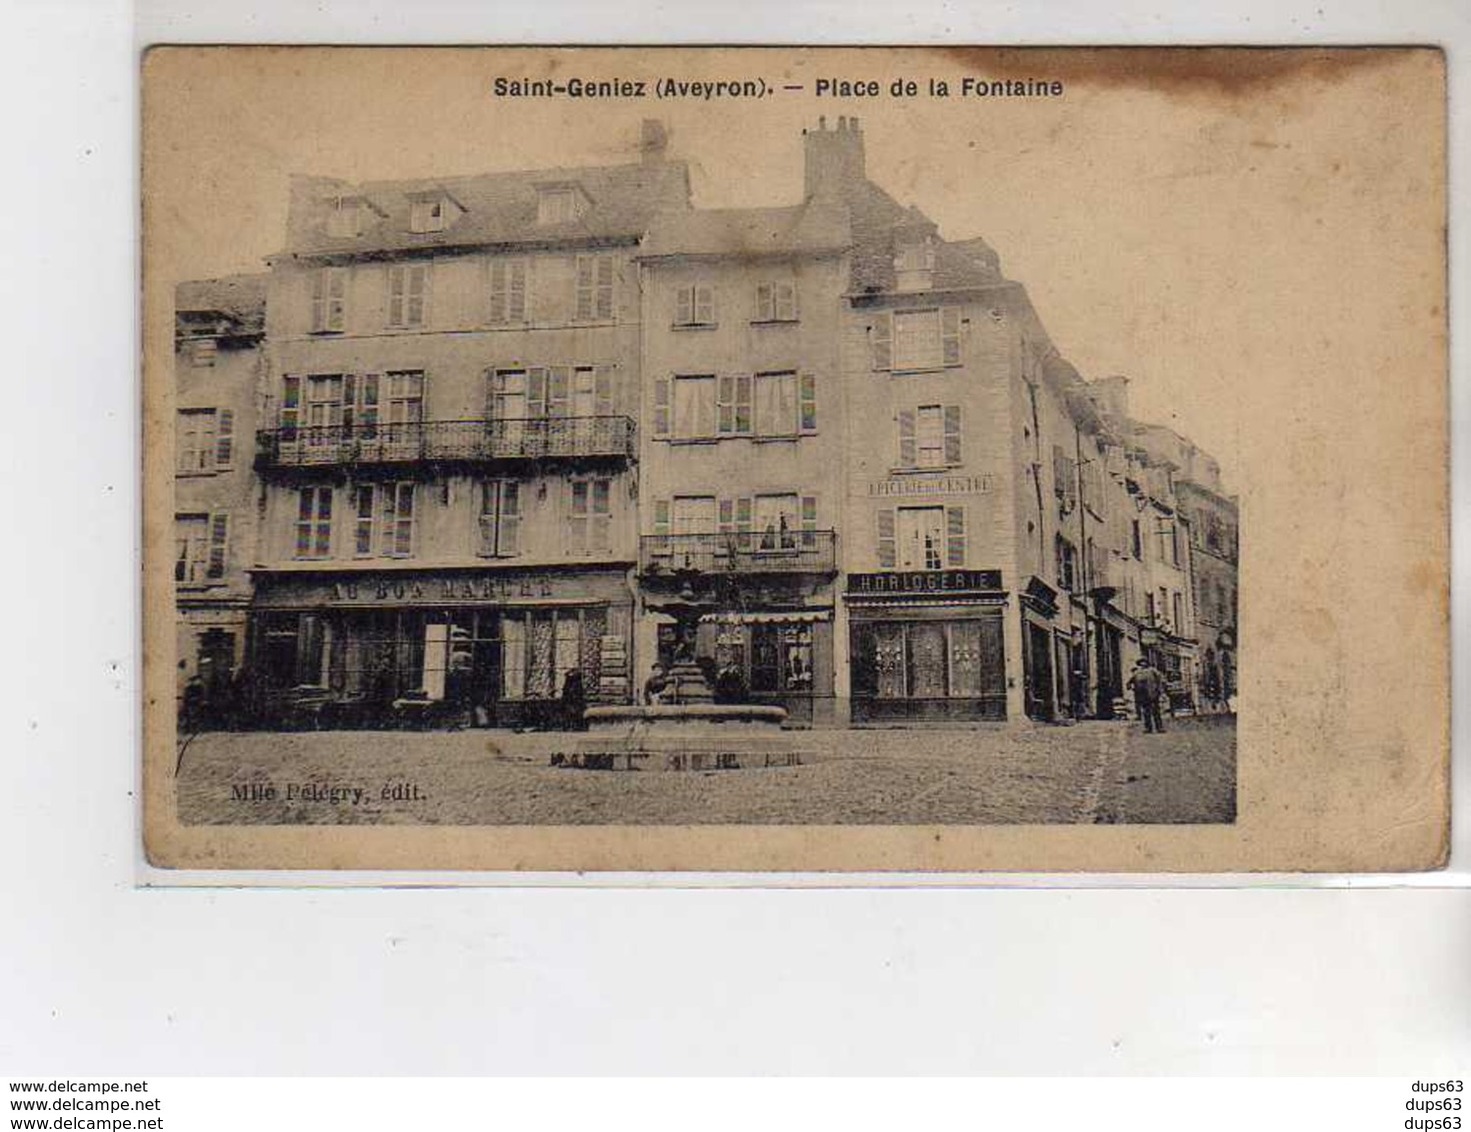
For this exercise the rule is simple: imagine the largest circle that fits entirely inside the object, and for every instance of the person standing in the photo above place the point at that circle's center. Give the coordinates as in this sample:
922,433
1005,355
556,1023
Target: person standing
1148,686
574,700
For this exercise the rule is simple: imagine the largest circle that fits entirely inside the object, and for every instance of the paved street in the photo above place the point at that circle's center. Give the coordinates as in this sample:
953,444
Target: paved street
1092,772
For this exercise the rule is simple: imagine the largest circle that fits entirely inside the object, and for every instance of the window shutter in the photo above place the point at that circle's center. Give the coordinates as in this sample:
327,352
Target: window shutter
807,402
765,302
336,297
704,305
489,490
881,338
219,535
584,288
224,438
602,515
290,406
727,516
950,335
395,296
498,290
661,518
319,299
908,456
786,302
558,384
809,522
605,287
743,387
536,392
955,536
743,522
725,404
516,292
603,391
1059,472
886,544
661,406
684,310
952,434
418,286
577,517
508,538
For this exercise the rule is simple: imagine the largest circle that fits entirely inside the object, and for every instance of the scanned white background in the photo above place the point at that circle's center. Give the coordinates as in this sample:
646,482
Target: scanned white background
100,977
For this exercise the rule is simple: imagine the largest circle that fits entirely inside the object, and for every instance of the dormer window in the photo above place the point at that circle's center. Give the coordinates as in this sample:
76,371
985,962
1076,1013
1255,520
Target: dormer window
559,204
914,266
343,217
428,214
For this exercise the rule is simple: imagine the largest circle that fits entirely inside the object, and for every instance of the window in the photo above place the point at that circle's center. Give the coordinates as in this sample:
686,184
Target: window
507,291
1067,565
314,522
1135,540
694,407
342,217
694,305
1179,614
363,505
408,286
695,514
914,266
929,437
1094,482
360,405
594,288
500,519
201,351
405,401
201,543
558,204
916,340
776,404
921,538
778,520
539,647
204,440
428,214
776,301
329,300
1064,477
589,519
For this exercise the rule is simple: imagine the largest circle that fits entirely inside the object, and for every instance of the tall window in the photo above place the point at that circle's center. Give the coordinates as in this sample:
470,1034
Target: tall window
383,520
314,522
204,440
929,437
776,301
594,288
916,340
405,400
589,519
201,542
778,520
776,404
694,407
1067,564
507,290
408,287
1179,600
329,299
694,305
500,519
921,538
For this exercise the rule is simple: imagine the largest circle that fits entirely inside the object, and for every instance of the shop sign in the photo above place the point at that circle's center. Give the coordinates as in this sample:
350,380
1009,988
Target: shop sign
929,485
924,582
434,589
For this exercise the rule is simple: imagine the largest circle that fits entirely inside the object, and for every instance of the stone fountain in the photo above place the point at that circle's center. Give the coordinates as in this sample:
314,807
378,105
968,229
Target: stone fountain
688,730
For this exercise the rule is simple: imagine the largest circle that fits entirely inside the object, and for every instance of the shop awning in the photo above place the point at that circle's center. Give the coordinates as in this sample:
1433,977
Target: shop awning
769,617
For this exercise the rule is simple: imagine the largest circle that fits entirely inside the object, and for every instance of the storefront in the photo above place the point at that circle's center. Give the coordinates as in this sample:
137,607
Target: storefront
927,646
478,647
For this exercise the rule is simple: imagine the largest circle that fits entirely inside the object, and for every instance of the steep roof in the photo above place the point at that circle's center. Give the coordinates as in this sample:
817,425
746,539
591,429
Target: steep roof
240,299
488,209
815,226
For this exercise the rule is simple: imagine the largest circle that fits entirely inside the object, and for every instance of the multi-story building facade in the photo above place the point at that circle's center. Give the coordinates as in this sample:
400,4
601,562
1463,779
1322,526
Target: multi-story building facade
218,327
742,443
449,467
501,421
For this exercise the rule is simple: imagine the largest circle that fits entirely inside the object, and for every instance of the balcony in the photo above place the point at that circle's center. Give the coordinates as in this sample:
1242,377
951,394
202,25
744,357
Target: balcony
473,441
743,553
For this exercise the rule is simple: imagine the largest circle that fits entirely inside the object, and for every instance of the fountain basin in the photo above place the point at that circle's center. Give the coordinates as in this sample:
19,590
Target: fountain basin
700,736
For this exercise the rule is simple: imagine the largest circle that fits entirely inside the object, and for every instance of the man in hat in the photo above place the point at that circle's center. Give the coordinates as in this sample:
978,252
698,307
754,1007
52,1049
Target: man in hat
1148,686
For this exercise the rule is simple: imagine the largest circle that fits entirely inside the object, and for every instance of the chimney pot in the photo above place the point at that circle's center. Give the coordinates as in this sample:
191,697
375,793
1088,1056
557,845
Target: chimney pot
822,121
842,122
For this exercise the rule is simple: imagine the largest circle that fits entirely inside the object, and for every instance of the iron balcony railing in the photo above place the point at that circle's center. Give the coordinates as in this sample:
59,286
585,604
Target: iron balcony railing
536,438
743,552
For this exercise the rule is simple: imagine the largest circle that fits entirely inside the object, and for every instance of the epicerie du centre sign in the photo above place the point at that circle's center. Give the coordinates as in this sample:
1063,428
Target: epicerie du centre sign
929,485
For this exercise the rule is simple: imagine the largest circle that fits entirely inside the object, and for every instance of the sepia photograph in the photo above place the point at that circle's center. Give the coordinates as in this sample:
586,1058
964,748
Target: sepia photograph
638,439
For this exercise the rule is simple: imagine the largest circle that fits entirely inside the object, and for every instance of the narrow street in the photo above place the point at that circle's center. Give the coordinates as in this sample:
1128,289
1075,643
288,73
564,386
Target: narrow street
1090,773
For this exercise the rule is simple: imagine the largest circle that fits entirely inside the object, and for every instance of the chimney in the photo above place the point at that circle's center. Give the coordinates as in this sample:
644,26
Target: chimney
653,140
833,159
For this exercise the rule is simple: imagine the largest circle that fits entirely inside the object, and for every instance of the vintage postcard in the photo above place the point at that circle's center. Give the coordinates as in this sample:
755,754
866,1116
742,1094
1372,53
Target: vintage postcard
795,459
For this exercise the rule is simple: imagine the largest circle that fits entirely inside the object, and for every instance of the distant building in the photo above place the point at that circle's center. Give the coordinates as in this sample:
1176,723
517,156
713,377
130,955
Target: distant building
218,328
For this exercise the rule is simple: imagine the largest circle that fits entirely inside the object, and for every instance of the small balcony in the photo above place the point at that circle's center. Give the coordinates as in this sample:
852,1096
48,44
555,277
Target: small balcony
740,553
472,441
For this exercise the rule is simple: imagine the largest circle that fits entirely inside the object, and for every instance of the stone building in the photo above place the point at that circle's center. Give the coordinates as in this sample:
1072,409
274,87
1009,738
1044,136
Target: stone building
1213,523
218,328
449,460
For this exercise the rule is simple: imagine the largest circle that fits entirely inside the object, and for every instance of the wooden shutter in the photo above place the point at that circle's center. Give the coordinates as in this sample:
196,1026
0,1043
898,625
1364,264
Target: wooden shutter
508,534
536,392
661,406
577,516
605,287
743,512
704,305
600,512
684,308
418,286
603,403
786,302
950,335
952,435
955,536
516,292
584,288
725,404
319,299
558,391
396,296
219,537
290,406
807,402
489,501
908,453
743,392
765,302
224,438
886,542
498,290
881,339
661,517
809,522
